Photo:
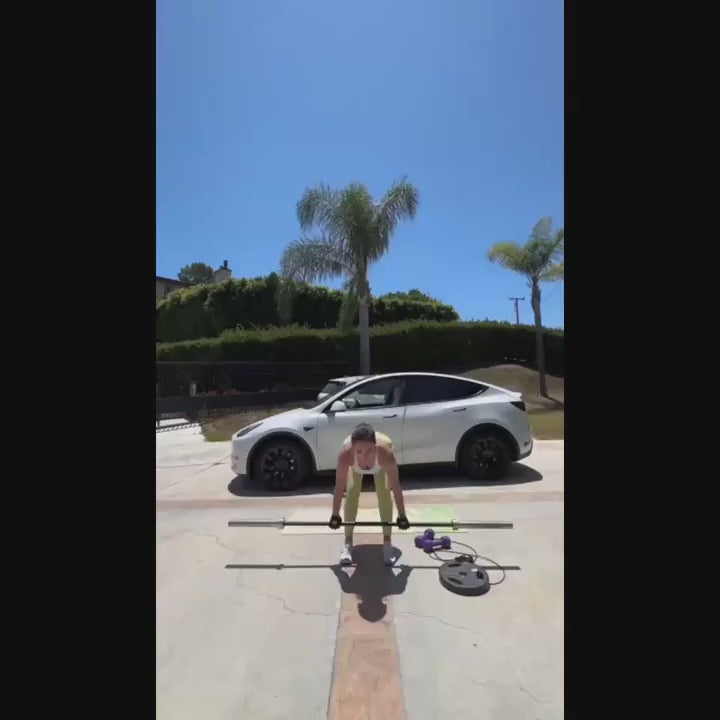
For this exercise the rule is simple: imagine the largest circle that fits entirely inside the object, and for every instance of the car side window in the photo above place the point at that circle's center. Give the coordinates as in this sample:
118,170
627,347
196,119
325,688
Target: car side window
379,393
438,389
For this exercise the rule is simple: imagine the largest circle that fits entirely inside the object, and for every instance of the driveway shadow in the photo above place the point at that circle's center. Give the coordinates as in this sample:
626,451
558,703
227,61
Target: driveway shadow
244,486
371,580
419,477
412,477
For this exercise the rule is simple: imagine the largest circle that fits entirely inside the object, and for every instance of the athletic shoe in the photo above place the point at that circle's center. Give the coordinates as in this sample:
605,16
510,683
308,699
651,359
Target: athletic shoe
389,554
346,554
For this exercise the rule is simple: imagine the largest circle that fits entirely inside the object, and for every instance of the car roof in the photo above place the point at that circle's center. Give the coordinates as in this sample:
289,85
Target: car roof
438,375
348,378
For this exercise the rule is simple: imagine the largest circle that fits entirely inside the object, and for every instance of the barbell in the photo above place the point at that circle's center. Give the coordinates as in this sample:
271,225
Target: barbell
454,524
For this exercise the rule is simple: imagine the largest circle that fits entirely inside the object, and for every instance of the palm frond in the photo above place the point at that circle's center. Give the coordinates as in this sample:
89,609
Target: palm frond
311,260
553,273
400,202
542,254
307,260
355,207
511,256
354,225
543,247
317,206
542,230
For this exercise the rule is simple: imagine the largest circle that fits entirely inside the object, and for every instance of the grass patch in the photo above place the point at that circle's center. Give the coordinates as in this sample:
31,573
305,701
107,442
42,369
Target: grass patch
523,380
548,425
222,428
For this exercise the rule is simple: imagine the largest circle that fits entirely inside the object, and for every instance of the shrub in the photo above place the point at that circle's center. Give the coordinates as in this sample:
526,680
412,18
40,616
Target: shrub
208,310
420,345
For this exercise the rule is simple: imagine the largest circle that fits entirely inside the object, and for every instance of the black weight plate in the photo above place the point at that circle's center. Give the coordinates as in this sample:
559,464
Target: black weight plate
464,578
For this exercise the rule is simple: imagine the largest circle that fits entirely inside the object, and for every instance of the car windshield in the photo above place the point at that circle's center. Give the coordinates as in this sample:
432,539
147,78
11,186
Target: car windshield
341,386
332,387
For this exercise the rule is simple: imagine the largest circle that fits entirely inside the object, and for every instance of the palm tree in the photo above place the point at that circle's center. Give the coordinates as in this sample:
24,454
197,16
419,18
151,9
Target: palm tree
352,232
536,260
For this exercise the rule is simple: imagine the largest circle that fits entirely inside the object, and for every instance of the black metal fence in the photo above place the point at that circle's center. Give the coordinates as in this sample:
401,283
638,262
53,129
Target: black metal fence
180,379
198,407
193,390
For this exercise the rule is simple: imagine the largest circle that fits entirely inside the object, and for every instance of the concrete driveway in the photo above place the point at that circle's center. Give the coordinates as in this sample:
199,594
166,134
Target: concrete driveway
362,643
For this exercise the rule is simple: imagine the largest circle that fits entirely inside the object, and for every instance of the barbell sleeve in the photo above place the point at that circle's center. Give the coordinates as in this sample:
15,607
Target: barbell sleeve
258,523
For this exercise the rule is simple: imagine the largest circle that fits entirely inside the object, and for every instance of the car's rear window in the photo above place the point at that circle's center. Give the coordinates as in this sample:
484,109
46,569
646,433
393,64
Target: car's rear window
332,387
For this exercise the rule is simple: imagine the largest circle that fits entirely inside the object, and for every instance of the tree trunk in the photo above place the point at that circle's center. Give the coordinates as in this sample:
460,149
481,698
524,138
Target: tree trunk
364,328
539,350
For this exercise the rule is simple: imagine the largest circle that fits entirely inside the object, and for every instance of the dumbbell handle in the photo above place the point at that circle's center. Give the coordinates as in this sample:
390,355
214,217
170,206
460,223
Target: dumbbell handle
431,545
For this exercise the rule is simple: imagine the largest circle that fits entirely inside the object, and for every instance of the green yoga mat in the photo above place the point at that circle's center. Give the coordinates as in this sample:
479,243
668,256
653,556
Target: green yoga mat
428,516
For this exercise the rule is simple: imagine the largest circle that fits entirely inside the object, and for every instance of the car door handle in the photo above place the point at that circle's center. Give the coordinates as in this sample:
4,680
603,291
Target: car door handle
388,417
459,409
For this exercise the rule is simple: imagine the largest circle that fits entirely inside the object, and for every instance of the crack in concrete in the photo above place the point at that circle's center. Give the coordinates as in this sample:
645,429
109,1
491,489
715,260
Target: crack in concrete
206,466
180,465
518,686
216,538
190,531
443,622
197,464
209,465
285,606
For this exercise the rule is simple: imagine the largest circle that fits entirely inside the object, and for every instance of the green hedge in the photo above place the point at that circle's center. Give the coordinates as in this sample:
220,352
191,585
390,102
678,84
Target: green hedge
430,346
207,310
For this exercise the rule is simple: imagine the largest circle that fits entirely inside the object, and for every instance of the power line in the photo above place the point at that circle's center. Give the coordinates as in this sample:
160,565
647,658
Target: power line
552,293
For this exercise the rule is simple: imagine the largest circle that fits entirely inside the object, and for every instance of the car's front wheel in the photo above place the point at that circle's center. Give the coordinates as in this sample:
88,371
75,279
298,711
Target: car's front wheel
281,464
485,455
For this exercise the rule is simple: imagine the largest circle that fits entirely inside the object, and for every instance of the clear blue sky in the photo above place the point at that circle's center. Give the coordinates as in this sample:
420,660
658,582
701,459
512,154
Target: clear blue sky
257,99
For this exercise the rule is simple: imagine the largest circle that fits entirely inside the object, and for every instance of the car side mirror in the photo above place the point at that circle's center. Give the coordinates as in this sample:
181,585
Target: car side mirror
338,406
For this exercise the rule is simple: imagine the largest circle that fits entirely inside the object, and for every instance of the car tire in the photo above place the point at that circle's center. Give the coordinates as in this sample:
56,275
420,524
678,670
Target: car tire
281,464
485,456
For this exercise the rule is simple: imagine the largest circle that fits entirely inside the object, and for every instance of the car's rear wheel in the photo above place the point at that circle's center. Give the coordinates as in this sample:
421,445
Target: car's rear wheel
281,464
485,455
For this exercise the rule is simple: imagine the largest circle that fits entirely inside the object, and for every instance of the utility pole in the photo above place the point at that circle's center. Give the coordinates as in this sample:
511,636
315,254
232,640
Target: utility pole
517,311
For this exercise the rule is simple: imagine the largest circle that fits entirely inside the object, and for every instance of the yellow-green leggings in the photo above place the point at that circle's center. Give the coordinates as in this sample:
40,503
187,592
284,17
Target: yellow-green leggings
354,486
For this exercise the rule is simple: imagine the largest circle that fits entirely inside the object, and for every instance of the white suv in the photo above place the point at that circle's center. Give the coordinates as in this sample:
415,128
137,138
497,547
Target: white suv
431,418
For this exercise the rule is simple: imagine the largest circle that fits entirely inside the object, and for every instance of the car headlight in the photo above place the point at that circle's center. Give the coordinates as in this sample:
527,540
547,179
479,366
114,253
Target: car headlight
247,429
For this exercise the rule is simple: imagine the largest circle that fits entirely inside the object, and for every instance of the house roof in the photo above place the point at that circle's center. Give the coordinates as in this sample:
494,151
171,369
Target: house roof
174,281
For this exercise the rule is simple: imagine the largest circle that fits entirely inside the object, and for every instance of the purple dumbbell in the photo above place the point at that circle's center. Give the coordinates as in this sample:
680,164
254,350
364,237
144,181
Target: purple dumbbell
442,543
429,534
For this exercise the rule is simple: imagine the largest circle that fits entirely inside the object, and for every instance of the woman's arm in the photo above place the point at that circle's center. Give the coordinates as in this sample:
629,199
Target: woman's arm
344,462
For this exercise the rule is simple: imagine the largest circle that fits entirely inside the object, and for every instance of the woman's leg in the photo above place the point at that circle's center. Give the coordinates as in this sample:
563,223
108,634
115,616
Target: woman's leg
385,503
385,506
382,489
